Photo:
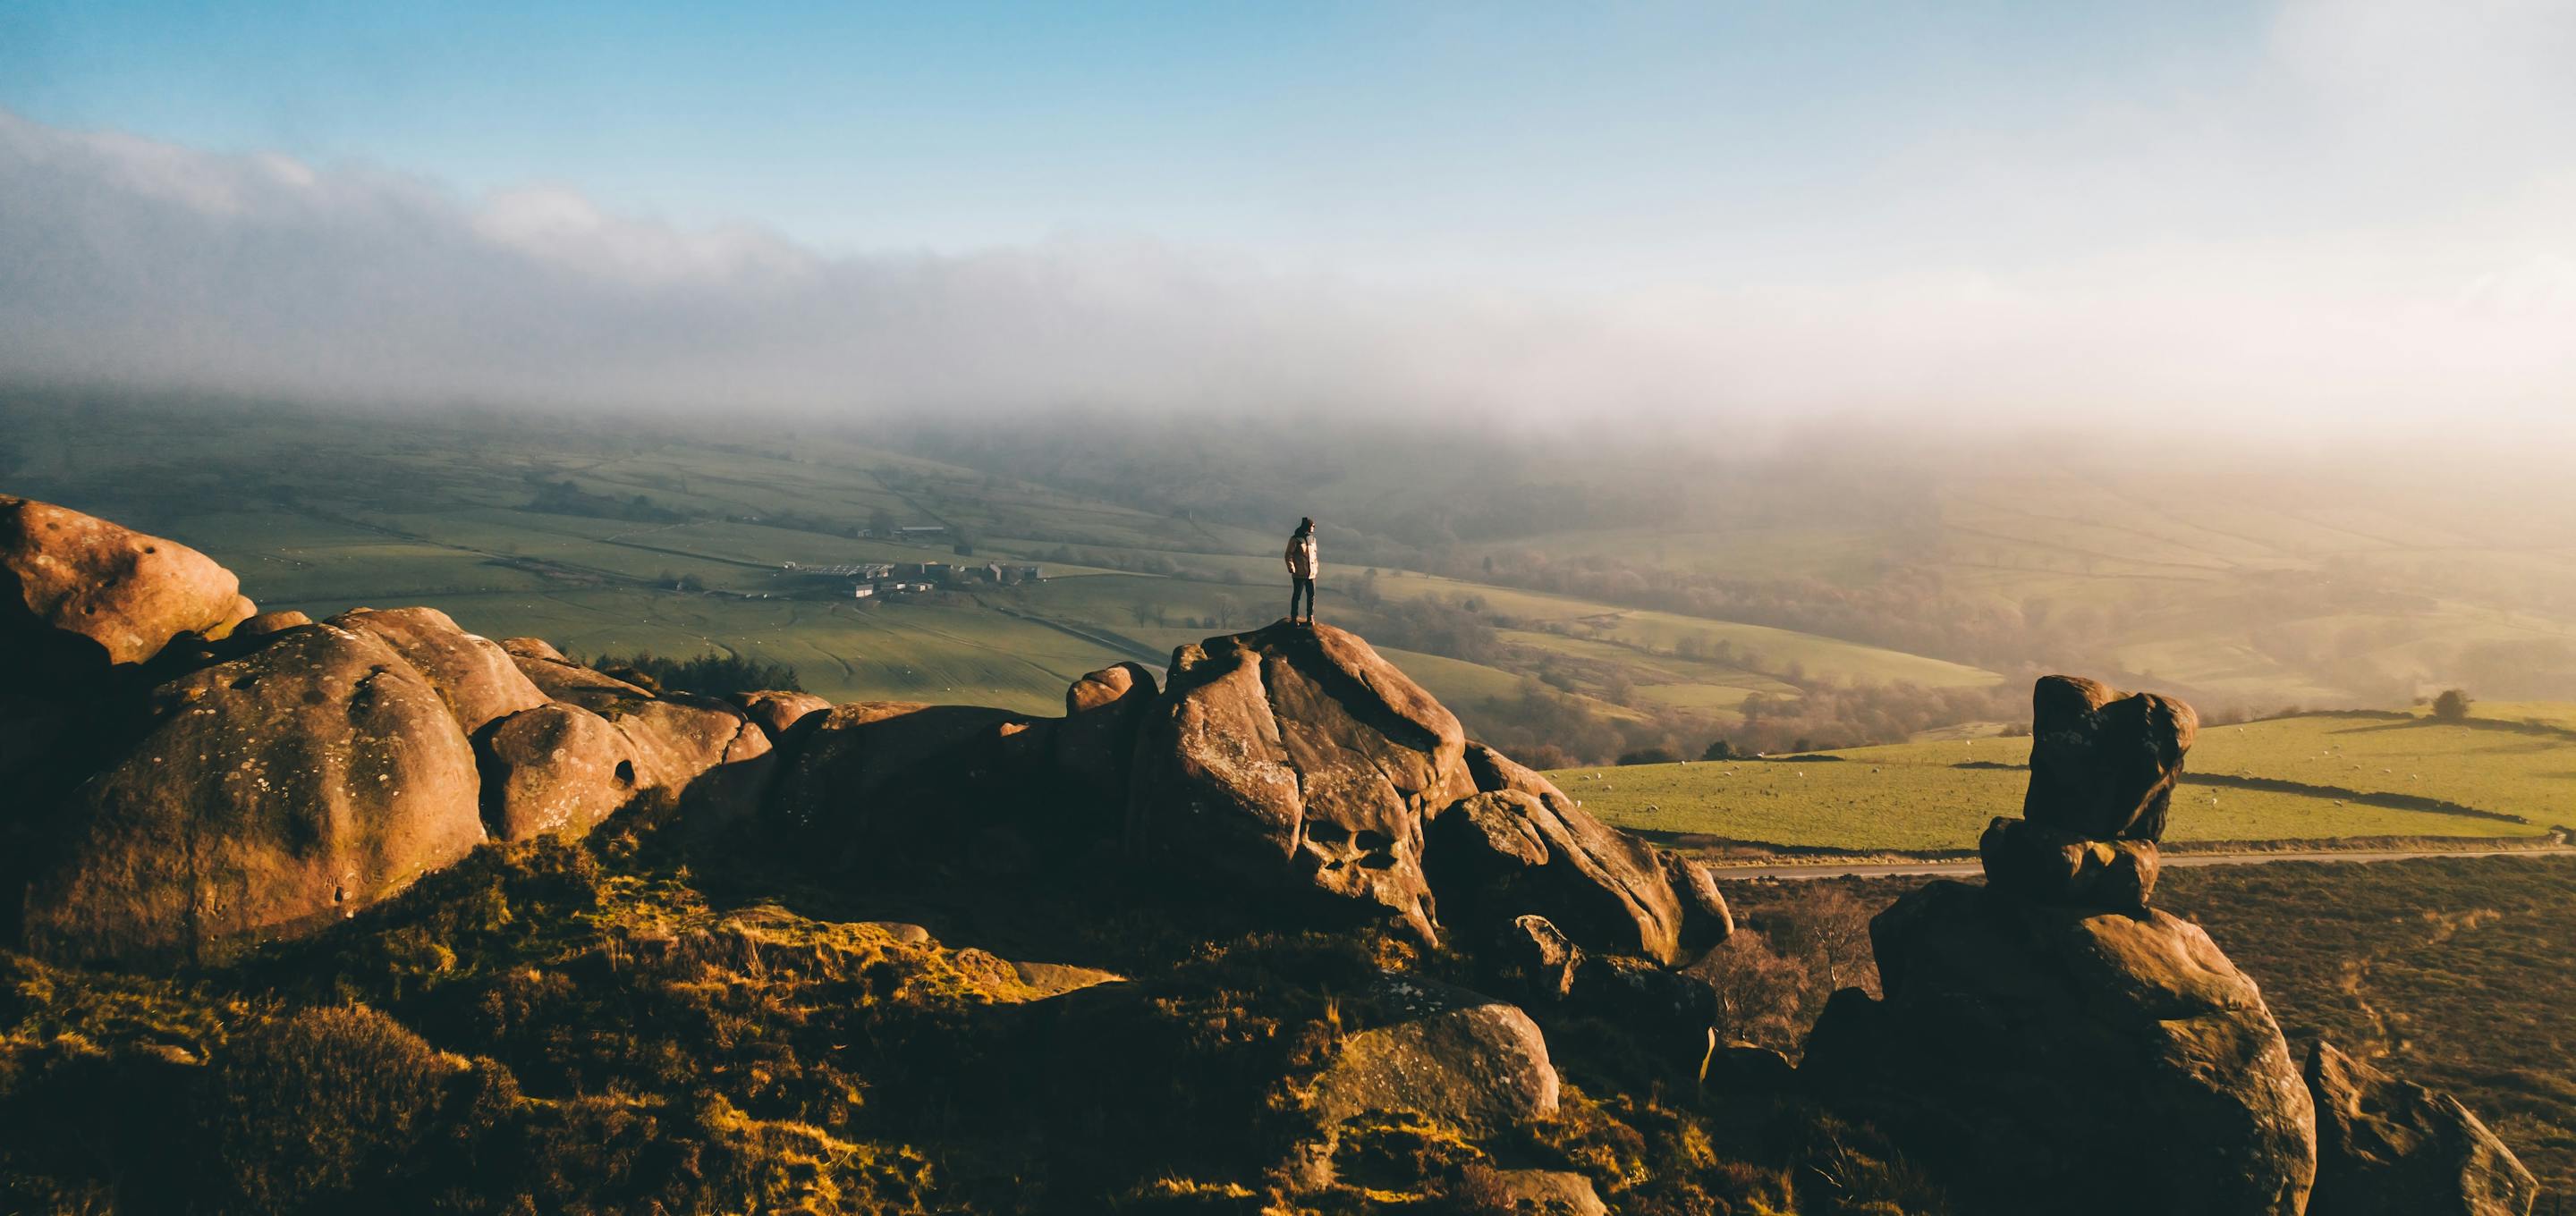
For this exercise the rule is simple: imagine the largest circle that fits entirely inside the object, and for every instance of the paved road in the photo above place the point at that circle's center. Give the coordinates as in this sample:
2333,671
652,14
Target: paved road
1970,865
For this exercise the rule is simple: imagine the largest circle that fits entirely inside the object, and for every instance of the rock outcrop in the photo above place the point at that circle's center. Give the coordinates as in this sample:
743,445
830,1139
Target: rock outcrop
2048,1041
2030,1052
2387,1147
79,594
274,792
1294,759
1095,745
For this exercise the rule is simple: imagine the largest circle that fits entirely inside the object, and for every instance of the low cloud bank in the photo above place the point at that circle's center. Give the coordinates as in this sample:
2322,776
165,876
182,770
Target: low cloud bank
124,260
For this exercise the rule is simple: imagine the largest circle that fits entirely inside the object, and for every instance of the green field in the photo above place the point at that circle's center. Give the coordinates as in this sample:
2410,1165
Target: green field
1925,807
1915,796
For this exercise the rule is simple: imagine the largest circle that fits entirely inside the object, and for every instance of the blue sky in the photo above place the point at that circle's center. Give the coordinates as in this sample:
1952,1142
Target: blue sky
1555,135
2250,213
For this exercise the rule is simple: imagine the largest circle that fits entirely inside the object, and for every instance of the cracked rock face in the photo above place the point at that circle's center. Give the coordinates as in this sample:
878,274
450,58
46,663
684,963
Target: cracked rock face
273,793
1294,759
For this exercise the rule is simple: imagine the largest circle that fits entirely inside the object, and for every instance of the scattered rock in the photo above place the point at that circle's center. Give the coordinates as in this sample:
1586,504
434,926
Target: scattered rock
1448,1053
1538,958
2030,1054
776,710
1740,1067
1483,1190
2103,762
1294,759
555,768
79,594
1056,979
272,794
2387,1147
476,678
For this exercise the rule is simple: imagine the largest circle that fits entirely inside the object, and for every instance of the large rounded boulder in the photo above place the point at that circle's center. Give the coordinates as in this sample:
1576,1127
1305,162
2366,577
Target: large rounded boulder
271,794
557,768
2050,1059
78,593
1520,846
1294,760
473,675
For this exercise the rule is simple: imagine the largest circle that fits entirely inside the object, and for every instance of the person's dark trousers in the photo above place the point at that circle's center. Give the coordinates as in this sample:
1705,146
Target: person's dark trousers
1301,587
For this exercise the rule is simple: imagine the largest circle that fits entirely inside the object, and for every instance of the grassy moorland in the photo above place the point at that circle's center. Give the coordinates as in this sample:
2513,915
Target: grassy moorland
2316,777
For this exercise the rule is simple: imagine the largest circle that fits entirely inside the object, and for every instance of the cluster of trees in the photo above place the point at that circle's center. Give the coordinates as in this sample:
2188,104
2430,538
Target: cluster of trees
711,675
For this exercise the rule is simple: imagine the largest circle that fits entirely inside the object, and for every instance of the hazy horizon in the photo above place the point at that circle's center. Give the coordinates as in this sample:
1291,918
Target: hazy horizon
2299,222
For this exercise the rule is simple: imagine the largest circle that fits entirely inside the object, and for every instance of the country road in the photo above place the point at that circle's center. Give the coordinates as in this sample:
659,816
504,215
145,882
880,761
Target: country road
1790,871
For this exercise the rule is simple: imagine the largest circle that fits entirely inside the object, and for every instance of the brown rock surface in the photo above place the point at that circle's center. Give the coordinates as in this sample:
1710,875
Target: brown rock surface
2387,1147
1095,745
562,681
777,710
2103,762
2051,1059
874,768
555,768
476,678
1444,1052
1522,846
1294,759
78,593
707,754
266,623
273,793
2052,867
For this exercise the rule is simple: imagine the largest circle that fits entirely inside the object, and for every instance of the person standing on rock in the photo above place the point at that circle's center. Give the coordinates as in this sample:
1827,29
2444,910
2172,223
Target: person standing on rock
1301,569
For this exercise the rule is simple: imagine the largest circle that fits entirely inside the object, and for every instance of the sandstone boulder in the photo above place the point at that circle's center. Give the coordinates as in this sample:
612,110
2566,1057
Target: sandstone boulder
476,678
78,594
2053,1059
776,710
555,768
1095,745
1444,1052
880,771
1293,760
532,648
2386,1147
2043,865
1522,846
272,794
565,681
711,759
2103,762
266,623
1482,1190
